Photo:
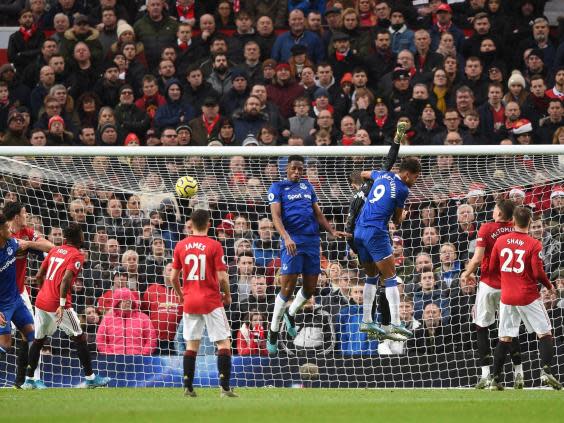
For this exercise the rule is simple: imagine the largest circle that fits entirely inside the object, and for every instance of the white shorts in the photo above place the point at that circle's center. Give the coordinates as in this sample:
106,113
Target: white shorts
46,323
215,322
533,315
487,305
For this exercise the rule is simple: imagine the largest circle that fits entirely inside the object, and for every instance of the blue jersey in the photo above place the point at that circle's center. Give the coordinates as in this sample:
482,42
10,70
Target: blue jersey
388,193
9,293
296,200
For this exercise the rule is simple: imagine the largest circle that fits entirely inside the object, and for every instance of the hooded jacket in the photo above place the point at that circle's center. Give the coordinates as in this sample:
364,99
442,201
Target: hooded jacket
174,112
126,332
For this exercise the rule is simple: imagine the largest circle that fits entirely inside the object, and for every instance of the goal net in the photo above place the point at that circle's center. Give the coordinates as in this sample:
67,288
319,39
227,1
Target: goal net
124,199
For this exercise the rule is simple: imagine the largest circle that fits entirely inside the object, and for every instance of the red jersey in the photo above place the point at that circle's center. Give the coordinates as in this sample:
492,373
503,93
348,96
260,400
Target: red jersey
27,234
200,258
58,261
520,258
164,309
487,235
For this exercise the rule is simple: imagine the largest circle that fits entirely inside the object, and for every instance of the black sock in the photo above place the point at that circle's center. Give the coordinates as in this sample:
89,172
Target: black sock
499,357
224,367
33,356
189,368
515,352
546,350
484,352
21,361
83,355
384,308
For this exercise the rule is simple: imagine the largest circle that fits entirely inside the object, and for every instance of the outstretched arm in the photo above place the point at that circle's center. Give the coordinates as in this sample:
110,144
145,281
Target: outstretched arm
394,149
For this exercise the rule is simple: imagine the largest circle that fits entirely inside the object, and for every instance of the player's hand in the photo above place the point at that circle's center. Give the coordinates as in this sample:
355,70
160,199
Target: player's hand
341,234
59,315
24,244
2,320
226,299
290,246
466,274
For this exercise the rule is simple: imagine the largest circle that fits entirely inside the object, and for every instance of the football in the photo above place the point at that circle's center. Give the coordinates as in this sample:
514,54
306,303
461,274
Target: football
186,187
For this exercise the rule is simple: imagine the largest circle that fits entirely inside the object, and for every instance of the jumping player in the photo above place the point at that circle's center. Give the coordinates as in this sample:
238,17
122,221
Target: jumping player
489,291
16,214
522,267
297,217
204,292
53,308
385,200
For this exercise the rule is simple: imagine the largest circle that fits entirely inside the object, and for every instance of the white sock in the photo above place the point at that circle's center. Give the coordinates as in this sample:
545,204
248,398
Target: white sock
279,307
298,302
518,369
485,371
393,297
367,302
91,377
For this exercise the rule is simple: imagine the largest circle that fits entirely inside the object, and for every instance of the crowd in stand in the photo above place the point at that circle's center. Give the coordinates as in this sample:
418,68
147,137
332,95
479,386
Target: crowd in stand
259,73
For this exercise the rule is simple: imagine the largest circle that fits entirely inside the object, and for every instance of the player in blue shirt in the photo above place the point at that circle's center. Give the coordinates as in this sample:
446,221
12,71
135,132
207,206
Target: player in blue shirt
297,217
384,201
12,307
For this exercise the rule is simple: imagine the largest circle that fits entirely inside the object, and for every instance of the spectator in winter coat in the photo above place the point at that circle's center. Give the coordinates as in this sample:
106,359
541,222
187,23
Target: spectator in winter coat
251,338
284,89
176,111
25,44
125,329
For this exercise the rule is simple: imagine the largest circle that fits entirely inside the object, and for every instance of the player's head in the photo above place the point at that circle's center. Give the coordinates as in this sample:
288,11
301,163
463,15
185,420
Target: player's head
200,219
15,210
73,235
295,169
355,179
4,229
409,170
503,210
522,217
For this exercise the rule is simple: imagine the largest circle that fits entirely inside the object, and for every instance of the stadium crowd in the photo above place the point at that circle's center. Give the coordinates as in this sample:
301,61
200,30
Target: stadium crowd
259,73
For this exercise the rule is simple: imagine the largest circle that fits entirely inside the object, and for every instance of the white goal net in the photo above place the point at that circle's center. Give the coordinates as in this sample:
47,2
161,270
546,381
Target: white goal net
132,219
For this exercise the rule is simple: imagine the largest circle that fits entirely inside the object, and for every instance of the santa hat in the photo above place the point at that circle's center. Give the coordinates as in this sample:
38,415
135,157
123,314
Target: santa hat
55,118
476,190
131,139
517,191
522,126
557,191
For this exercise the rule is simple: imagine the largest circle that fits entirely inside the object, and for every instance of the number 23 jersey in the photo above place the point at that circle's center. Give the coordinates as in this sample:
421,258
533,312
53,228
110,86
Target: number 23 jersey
200,258
388,193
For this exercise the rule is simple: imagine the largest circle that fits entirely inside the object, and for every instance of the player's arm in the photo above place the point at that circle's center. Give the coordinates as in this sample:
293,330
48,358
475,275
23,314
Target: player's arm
223,279
537,264
392,156
493,266
475,261
276,212
40,276
63,290
324,223
41,244
398,216
366,174
175,280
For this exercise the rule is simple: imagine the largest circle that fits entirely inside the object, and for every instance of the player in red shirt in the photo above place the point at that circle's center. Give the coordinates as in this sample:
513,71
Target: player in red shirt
53,308
489,291
16,215
522,267
204,272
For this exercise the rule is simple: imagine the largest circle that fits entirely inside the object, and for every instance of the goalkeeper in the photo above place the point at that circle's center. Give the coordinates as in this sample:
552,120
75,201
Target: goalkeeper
370,211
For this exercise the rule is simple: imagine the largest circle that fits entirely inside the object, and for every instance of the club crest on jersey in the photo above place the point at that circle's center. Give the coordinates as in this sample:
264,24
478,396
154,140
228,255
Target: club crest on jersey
10,251
303,186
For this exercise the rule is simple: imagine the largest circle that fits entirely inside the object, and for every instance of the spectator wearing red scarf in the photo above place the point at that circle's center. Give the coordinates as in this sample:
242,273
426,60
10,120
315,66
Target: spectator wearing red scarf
251,338
24,45
186,11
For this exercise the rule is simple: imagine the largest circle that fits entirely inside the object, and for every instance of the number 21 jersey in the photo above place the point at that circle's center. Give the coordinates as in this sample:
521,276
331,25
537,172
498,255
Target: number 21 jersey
200,258
388,193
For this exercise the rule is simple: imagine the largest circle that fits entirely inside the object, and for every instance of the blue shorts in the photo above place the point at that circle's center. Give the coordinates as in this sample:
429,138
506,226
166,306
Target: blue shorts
17,313
307,260
373,244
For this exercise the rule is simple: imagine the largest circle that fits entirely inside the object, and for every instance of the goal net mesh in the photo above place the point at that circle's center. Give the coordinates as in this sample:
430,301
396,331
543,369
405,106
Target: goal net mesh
132,220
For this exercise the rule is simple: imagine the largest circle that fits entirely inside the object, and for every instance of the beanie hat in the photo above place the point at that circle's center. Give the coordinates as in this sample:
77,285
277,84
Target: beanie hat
107,126
131,138
516,78
522,126
123,27
55,118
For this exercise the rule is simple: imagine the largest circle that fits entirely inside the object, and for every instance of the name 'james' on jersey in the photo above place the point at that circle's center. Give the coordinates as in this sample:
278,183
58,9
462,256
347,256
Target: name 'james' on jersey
296,200
388,193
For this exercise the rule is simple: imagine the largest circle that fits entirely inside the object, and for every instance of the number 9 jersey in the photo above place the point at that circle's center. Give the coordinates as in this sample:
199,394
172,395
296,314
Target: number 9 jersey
200,258
388,193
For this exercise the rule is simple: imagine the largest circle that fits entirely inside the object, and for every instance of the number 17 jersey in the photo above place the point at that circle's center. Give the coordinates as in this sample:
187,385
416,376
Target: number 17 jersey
388,193
200,258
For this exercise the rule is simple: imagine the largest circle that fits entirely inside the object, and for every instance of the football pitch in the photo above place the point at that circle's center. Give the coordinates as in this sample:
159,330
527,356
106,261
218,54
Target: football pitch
264,405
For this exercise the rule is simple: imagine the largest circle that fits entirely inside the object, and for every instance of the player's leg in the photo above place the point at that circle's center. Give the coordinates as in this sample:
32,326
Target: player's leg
220,333
515,354
27,301
70,324
193,329
509,322
22,348
45,325
501,350
487,303
6,330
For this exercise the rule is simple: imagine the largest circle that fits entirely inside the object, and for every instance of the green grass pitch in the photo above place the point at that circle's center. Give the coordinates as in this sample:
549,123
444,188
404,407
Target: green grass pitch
264,405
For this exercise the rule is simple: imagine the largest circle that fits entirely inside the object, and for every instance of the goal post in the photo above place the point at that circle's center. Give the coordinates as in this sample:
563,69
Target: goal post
124,199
